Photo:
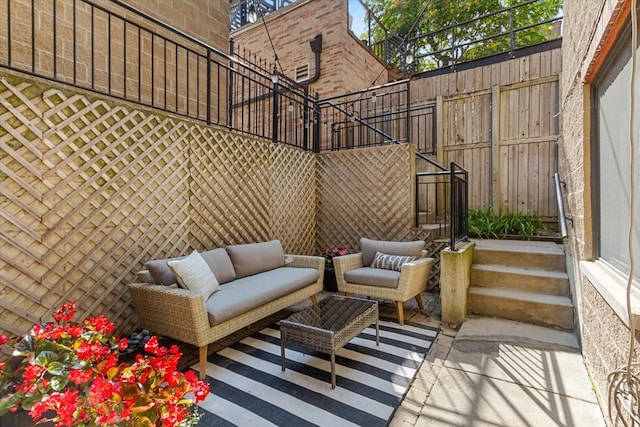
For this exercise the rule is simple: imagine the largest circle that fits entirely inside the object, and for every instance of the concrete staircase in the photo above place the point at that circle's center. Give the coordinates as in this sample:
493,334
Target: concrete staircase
521,281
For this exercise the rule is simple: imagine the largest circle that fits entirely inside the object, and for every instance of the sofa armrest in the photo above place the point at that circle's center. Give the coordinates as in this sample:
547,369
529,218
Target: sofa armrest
306,261
345,263
171,311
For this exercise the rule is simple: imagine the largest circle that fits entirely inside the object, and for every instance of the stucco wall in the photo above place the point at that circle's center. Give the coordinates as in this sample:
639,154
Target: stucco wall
346,64
603,330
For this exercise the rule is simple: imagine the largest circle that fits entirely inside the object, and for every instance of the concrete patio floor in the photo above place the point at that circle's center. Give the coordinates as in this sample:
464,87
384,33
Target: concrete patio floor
488,373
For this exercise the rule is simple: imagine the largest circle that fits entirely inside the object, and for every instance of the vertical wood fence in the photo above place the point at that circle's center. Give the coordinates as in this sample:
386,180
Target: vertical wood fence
500,122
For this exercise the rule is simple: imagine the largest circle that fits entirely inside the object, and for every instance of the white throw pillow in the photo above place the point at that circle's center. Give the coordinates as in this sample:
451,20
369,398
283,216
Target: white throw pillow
193,273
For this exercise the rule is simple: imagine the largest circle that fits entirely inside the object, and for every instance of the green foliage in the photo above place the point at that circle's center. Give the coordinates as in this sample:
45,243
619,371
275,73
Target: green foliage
446,21
485,224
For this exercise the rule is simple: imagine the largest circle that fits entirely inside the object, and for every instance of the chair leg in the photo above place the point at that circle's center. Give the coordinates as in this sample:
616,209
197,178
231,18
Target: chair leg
314,299
400,306
419,301
203,362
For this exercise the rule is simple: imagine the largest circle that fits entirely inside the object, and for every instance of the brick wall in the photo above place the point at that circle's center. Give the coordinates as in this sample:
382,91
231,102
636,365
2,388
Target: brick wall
206,20
114,53
604,335
346,64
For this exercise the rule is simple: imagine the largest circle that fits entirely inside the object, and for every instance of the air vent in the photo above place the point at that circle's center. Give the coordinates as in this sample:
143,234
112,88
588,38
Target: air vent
302,72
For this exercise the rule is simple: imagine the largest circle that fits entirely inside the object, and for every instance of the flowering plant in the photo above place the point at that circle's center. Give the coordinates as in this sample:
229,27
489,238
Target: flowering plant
329,252
68,373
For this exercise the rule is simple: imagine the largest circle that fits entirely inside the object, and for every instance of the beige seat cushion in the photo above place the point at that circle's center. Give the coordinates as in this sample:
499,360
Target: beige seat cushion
373,277
245,294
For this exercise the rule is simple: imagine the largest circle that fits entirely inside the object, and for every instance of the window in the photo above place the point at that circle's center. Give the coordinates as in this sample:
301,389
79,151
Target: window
612,181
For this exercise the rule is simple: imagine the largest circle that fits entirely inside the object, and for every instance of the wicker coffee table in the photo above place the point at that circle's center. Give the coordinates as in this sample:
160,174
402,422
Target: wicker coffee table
328,326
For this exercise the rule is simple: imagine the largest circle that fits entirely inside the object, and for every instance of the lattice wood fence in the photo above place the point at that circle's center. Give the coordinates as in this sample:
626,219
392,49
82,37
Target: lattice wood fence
91,189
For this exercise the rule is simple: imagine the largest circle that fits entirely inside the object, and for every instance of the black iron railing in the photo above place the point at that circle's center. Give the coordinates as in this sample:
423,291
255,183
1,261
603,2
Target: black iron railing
367,118
376,116
240,9
458,43
442,202
128,55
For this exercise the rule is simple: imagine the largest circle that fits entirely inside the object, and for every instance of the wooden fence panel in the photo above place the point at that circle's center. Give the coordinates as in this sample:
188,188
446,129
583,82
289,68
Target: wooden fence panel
527,131
467,141
505,138
499,121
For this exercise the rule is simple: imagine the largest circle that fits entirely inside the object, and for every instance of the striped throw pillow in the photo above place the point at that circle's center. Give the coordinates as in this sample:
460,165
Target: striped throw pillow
390,262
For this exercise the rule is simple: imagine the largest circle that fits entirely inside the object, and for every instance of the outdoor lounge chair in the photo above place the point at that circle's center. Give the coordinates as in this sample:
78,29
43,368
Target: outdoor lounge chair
396,271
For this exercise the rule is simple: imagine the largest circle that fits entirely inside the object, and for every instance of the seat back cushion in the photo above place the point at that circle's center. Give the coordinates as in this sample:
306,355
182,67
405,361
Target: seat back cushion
160,271
221,265
193,273
369,248
254,258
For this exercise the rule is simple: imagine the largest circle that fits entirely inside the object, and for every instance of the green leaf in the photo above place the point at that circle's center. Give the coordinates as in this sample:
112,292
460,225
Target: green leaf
25,346
57,368
46,357
59,383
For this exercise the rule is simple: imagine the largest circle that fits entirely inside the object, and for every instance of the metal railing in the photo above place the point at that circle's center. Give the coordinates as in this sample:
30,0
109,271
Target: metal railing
366,118
128,55
239,10
456,43
442,202
376,116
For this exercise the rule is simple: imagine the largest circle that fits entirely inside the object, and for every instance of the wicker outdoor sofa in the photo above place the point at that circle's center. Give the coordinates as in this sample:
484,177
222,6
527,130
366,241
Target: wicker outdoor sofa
396,271
250,282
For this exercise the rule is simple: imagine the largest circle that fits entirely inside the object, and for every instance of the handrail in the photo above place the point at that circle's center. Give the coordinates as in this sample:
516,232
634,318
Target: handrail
445,199
562,219
459,205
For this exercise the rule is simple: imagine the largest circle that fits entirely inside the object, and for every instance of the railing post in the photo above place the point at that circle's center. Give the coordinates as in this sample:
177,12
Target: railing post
230,86
417,202
316,124
408,122
512,35
276,106
208,86
452,202
305,119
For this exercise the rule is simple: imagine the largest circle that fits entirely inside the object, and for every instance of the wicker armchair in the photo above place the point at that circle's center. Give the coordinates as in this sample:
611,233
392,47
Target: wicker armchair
411,280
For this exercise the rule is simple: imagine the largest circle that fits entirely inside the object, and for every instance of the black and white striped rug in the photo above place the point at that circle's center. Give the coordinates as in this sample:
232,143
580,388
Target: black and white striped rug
248,386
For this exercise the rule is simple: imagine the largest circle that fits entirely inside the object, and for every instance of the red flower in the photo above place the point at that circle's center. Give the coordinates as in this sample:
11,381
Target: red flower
101,324
201,390
81,359
79,376
65,313
123,344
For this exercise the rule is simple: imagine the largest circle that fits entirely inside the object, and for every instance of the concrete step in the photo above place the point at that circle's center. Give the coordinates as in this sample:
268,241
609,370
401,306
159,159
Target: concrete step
490,329
546,310
515,253
523,279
